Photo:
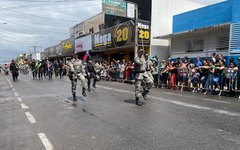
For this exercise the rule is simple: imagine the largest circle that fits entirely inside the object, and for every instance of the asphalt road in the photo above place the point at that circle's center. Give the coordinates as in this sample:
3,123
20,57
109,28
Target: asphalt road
39,115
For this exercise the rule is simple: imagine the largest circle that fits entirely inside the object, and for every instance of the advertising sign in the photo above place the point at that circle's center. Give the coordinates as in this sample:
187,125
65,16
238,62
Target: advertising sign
53,51
114,37
68,46
83,44
144,32
115,7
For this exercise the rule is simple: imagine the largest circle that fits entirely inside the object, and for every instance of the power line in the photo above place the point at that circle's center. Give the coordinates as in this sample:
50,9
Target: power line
17,12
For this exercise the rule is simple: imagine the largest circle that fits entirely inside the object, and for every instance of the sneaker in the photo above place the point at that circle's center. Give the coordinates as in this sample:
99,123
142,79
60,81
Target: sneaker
217,89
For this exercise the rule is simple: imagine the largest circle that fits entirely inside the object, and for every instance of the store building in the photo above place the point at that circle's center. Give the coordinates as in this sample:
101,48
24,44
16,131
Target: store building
162,22
203,31
114,23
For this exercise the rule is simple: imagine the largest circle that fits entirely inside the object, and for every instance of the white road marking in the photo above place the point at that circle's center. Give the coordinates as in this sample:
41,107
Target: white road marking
19,99
30,117
45,141
235,114
205,99
24,106
13,89
16,94
168,93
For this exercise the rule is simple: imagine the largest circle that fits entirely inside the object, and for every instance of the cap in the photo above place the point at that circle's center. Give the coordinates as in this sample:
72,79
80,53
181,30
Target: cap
238,58
140,50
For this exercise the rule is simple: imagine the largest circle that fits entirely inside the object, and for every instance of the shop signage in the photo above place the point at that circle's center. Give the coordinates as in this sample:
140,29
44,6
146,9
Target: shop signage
144,32
115,7
83,44
114,37
122,35
53,51
68,46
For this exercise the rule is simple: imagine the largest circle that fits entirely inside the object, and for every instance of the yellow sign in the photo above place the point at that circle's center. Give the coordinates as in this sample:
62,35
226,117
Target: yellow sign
67,46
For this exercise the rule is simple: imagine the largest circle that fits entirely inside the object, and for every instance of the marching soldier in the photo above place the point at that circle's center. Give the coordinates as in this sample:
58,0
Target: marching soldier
77,73
141,77
91,73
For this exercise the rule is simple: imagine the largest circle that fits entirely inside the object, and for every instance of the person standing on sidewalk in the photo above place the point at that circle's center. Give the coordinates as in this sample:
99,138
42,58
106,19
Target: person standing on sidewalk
76,73
141,77
14,70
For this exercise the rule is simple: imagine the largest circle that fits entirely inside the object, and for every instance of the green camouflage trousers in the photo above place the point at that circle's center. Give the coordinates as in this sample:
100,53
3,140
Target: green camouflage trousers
147,84
82,80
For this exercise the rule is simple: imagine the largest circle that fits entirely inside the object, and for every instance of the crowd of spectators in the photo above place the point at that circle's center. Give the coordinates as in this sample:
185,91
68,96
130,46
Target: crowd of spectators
210,75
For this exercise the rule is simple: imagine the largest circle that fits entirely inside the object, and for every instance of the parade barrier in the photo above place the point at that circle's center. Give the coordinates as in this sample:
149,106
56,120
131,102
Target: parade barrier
229,85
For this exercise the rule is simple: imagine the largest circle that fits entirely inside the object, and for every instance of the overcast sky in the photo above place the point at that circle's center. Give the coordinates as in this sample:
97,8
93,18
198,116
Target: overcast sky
26,23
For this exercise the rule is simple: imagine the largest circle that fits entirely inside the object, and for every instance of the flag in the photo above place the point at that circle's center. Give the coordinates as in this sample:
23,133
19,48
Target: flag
85,57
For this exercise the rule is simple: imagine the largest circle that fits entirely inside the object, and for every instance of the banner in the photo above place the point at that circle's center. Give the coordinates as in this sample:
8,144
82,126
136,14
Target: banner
83,44
144,32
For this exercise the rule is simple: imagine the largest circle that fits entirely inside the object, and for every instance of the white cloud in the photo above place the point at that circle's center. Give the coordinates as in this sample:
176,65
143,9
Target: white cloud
39,22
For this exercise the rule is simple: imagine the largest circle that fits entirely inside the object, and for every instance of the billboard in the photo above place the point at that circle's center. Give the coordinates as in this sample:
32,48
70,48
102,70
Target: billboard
53,51
83,44
121,35
67,46
115,7
144,32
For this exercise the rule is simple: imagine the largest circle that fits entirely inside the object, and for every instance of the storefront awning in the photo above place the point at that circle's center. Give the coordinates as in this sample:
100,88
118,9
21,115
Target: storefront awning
197,31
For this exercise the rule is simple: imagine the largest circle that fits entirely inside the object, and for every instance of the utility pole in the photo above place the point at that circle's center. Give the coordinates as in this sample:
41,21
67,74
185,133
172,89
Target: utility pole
136,30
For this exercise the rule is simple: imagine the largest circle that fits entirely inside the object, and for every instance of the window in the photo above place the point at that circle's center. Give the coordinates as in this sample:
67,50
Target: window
195,45
91,30
223,42
101,27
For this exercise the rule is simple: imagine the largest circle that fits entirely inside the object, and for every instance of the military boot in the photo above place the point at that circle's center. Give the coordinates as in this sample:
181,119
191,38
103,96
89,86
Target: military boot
138,102
74,97
144,94
84,92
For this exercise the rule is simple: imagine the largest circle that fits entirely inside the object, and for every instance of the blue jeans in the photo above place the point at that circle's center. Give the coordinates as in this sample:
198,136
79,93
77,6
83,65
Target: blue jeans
209,82
221,82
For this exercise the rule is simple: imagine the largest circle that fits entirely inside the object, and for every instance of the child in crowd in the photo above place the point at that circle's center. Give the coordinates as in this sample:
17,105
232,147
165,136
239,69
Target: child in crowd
195,80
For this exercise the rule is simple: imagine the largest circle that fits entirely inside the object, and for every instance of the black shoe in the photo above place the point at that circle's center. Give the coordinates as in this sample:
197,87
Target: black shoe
84,92
94,86
89,90
74,97
138,103
144,96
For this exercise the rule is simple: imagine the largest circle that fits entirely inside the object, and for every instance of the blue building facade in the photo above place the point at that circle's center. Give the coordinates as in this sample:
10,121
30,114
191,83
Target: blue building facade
210,18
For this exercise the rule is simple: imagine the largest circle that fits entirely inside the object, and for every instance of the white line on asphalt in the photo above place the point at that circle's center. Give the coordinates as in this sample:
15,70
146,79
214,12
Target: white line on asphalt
236,114
19,99
168,93
16,94
24,106
205,99
30,117
13,89
45,141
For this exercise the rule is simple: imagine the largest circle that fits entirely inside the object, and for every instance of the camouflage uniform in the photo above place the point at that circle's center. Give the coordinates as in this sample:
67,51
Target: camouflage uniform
140,77
77,73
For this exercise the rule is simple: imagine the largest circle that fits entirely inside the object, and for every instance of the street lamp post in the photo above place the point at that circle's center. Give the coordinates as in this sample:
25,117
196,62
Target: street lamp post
136,30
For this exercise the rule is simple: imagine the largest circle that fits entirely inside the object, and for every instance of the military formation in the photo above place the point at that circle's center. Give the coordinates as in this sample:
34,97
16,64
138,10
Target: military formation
85,72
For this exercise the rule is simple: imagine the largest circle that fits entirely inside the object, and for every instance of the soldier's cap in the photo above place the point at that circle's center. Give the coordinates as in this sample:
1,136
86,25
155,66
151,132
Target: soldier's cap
140,50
